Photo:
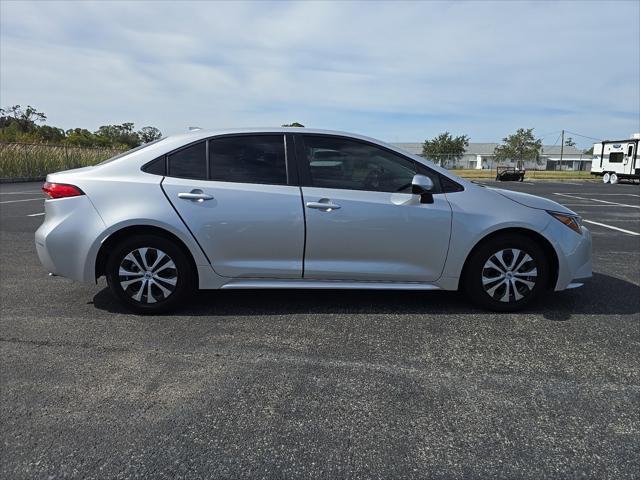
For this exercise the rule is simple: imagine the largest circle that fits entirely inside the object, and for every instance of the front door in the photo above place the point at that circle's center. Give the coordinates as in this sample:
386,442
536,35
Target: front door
362,221
239,206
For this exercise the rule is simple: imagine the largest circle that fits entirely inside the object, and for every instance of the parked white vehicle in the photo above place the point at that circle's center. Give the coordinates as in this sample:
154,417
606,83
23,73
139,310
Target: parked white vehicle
301,208
616,160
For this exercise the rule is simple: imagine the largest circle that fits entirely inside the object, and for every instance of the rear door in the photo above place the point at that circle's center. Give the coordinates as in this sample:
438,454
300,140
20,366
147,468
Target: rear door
238,196
363,222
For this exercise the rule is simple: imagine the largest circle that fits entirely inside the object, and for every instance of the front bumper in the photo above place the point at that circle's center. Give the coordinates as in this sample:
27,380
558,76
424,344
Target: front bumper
574,254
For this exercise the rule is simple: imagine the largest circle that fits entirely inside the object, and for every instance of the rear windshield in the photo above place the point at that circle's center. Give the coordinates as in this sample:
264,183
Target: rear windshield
139,147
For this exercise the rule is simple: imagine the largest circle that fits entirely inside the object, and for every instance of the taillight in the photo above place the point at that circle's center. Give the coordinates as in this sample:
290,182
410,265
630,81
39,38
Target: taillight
61,190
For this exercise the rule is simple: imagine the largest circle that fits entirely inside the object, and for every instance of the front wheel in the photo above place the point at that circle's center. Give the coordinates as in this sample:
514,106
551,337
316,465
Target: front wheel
149,274
613,179
506,273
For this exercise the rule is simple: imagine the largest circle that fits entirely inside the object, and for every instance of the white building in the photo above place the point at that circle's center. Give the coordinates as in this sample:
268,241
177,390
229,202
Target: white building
480,155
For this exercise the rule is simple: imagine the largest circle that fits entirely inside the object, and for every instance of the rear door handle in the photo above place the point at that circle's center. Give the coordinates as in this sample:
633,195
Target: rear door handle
195,196
326,206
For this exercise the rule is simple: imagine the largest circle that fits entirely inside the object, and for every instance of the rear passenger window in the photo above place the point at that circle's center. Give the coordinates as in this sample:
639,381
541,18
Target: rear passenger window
190,162
248,159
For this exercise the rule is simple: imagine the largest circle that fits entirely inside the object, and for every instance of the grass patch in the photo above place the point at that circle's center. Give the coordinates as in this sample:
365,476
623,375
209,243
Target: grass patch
531,174
20,160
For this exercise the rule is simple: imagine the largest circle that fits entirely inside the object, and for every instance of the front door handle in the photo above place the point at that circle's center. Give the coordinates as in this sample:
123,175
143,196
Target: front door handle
325,205
195,195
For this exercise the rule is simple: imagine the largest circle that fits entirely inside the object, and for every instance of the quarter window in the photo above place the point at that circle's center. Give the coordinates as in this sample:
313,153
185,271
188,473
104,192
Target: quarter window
351,165
249,159
189,162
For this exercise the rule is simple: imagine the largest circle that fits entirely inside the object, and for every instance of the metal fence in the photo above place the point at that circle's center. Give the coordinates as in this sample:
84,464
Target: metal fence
32,160
573,163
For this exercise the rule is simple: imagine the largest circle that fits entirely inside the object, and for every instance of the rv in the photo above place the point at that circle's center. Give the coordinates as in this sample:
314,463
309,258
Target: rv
615,160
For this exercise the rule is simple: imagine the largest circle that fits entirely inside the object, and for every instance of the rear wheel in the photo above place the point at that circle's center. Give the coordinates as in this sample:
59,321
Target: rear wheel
613,179
506,273
149,274
606,177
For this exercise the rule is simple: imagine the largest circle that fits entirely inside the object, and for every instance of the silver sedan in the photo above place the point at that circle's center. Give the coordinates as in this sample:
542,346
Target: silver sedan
289,208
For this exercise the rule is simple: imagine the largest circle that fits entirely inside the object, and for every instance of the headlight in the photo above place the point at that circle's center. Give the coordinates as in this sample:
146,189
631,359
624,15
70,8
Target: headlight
574,222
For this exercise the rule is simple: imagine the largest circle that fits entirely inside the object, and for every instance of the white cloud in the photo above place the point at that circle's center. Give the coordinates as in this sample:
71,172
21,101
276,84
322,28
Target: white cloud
400,71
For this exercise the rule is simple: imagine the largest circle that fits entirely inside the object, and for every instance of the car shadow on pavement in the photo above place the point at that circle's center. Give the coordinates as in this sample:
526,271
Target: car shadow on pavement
601,295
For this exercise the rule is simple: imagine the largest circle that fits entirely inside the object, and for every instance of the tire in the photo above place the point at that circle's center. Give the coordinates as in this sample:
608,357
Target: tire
515,255
160,275
605,177
613,179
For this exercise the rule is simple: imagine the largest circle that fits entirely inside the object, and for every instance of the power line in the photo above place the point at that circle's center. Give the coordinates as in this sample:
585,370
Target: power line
583,136
547,134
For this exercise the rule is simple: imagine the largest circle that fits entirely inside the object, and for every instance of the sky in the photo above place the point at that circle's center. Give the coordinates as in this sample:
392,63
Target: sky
398,71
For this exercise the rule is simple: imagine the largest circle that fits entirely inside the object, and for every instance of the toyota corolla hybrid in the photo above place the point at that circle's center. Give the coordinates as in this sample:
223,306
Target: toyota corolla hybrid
289,208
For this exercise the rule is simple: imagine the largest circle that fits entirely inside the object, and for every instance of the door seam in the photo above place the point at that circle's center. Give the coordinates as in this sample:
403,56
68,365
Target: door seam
184,223
304,218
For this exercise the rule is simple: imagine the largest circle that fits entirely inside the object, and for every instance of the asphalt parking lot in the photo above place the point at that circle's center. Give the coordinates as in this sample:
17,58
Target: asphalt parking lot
323,384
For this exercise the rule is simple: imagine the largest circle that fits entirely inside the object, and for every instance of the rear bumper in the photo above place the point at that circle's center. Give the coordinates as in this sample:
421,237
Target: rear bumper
65,239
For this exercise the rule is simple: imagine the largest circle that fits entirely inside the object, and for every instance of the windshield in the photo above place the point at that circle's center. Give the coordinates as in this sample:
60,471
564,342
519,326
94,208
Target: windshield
139,147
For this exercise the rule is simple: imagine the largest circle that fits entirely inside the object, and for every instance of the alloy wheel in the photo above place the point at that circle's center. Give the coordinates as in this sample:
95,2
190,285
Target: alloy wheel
509,275
147,275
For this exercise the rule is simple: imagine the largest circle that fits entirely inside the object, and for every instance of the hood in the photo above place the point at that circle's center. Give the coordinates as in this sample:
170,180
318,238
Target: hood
533,201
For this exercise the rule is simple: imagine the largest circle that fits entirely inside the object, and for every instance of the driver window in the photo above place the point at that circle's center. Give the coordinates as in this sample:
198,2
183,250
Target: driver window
351,165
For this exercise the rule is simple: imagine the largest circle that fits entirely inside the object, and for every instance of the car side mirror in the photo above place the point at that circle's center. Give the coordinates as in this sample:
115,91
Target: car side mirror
423,186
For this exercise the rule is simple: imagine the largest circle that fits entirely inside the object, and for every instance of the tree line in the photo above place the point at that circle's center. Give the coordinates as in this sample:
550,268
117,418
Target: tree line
26,125
519,147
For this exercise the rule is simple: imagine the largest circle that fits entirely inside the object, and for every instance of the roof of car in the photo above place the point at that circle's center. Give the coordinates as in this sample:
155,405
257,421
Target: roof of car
202,133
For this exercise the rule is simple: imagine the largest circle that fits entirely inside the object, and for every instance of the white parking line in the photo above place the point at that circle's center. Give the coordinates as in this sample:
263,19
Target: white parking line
590,205
24,200
603,194
612,227
35,214
597,200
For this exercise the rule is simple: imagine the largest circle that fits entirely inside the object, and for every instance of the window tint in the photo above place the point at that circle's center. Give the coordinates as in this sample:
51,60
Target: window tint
156,167
615,157
348,164
189,162
249,159
449,186
630,151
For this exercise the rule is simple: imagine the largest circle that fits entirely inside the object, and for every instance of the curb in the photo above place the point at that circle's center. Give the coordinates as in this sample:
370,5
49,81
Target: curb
22,179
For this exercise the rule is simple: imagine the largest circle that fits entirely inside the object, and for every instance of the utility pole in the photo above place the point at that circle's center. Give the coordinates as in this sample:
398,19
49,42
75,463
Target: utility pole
561,149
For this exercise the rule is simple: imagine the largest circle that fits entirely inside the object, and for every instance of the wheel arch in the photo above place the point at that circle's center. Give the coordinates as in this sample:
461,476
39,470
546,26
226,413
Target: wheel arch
545,244
118,235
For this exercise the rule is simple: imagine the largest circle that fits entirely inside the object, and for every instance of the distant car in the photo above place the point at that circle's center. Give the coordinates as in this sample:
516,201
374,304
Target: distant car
510,174
258,209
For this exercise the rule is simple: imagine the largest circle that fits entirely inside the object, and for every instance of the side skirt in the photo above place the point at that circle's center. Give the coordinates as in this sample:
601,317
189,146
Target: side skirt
253,283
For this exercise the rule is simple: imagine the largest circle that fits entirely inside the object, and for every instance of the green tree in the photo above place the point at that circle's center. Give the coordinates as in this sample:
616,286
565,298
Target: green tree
445,147
294,124
568,142
519,147
117,135
49,134
80,137
589,151
149,134
18,124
